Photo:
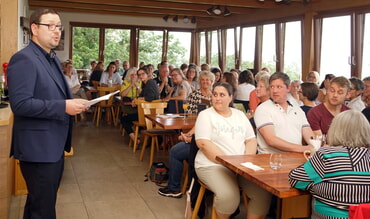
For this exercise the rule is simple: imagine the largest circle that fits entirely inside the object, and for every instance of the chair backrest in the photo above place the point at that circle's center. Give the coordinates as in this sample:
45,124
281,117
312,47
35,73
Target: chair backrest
140,111
104,91
152,108
95,84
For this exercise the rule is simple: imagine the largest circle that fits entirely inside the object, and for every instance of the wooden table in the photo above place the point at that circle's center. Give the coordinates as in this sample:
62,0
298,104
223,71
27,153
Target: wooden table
167,121
292,202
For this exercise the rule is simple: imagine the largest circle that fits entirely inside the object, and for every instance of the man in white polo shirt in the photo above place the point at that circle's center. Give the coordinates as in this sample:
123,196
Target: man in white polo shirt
281,124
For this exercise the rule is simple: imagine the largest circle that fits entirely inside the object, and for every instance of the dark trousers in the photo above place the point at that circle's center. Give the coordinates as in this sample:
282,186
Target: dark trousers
127,120
42,181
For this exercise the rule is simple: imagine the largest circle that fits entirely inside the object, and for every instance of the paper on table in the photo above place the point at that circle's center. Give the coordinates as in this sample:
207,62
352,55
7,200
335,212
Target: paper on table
167,116
251,166
97,100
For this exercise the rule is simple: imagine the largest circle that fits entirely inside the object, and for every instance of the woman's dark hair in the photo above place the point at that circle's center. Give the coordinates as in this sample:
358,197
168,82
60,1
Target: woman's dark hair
228,88
246,77
145,69
183,66
215,70
36,15
111,63
230,78
310,90
327,76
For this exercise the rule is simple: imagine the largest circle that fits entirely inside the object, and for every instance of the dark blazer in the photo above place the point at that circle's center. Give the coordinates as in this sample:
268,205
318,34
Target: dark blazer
42,129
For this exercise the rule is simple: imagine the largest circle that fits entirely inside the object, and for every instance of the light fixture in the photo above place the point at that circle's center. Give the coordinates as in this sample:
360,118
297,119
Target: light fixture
226,12
165,18
176,18
186,19
209,10
193,20
217,10
278,0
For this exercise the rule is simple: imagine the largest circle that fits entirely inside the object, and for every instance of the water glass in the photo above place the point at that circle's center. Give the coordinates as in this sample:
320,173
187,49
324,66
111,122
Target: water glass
276,161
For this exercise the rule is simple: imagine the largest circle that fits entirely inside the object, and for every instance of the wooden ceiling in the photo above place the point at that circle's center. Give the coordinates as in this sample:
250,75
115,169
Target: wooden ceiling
161,8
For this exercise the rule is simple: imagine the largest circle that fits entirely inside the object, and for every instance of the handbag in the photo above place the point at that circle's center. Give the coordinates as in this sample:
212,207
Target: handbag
158,173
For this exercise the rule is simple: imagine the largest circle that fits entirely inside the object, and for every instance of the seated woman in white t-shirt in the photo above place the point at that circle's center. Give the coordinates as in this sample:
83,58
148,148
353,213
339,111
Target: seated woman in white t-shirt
111,78
223,130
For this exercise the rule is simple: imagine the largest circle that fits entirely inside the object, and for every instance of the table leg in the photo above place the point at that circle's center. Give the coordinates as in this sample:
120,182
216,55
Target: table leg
299,206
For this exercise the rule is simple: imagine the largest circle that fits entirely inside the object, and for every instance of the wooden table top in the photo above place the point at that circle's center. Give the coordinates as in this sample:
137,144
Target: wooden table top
172,121
274,181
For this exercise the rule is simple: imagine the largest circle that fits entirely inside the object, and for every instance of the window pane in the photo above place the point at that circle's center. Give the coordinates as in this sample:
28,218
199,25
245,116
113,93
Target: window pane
85,46
268,47
366,56
292,52
202,49
150,47
248,47
336,47
117,45
178,48
230,49
214,48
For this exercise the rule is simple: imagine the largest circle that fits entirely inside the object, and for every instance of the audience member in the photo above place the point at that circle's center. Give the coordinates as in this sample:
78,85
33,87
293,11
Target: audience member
366,112
321,115
222,130
293,96
217,72
280,124
324,87
203,94
181,89
230,78
148,92
141,64
164,82
245,87
314,77
119,69
253,100
184,68
125,67
73,82
236,73
93,64
192,77
337,176
205,67
131,85
111,78
308,94
355,98
97,72
366,93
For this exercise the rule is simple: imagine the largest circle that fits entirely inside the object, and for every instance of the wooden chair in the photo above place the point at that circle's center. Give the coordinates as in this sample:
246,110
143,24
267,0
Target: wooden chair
151,130
95,84
107,104
201,192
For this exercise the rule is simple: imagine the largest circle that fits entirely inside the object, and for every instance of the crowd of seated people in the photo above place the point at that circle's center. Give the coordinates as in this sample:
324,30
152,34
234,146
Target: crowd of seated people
285,116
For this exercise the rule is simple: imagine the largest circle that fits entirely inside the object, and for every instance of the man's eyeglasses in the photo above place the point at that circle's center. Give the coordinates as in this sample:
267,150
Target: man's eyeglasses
52,27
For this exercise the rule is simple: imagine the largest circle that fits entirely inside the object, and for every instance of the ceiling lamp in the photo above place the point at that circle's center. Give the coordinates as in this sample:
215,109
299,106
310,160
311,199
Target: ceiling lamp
193,20
278,0
186,19
217,10
165,18
210,11
176,18
226,12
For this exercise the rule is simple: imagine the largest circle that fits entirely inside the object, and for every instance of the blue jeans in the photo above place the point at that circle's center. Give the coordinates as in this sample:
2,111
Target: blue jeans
178,154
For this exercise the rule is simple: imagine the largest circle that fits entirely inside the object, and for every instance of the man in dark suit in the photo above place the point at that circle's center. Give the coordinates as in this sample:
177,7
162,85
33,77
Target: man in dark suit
43,107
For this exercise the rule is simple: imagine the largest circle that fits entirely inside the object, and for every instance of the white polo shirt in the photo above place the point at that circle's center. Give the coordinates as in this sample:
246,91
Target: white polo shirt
287,125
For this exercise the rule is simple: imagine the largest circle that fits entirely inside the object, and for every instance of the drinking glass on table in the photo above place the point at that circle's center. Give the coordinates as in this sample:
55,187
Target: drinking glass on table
276,161
185,106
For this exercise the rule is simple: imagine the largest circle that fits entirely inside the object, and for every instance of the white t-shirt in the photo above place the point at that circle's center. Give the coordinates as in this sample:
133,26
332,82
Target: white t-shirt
228,133
243,91
116,78
72,82
287,125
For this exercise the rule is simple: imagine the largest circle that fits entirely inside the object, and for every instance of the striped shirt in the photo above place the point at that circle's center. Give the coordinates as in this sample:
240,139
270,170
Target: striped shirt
337,177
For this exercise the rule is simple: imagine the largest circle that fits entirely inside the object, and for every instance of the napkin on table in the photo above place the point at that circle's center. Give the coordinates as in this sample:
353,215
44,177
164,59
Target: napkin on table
251,166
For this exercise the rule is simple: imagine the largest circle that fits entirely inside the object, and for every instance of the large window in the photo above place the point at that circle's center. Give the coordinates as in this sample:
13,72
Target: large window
336,47
117,45
248,47
178,48
85,46
268,47
214,48
366,53
293,51
202,49
150,46
230,49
